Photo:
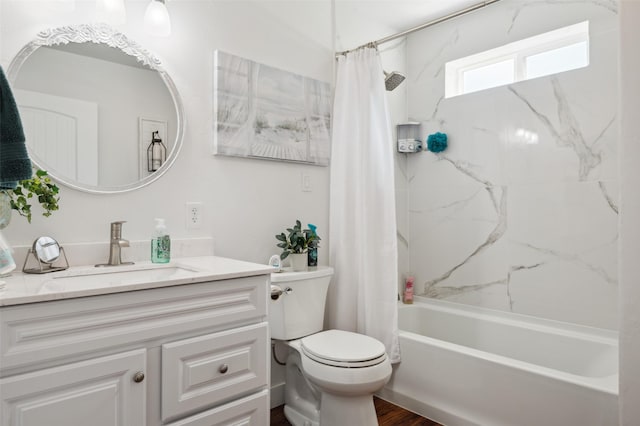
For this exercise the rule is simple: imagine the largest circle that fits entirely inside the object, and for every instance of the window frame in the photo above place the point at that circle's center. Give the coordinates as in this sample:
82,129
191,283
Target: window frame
518,51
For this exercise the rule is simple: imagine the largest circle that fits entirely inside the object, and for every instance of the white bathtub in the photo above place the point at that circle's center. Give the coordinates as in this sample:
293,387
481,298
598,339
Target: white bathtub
463,365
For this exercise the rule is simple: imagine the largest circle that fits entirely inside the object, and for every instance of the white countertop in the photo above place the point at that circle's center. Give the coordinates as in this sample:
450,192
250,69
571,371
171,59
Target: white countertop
82,281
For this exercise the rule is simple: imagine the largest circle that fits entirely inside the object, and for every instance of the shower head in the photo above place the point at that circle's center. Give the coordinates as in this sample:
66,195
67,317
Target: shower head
392,79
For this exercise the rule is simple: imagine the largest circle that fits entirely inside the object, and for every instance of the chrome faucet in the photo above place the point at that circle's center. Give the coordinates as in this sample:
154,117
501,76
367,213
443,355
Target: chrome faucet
115,245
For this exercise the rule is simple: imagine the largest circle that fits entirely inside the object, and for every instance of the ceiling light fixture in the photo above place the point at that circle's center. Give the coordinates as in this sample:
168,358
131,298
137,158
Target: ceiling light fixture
112,11
156,19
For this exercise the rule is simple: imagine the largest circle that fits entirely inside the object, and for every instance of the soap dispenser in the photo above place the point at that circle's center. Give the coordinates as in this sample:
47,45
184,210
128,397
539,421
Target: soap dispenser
160,243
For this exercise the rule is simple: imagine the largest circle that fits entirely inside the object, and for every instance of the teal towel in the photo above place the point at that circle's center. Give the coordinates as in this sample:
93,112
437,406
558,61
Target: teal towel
15,164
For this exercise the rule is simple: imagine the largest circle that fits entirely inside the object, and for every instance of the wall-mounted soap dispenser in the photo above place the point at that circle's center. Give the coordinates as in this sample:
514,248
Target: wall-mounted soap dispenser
408,135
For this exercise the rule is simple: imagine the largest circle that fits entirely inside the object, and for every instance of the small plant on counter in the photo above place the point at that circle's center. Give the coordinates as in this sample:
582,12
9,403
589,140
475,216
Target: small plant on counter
295,242
40,186
298,240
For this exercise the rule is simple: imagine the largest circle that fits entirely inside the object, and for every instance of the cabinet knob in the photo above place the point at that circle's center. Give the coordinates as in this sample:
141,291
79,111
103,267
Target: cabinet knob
223,368
138,377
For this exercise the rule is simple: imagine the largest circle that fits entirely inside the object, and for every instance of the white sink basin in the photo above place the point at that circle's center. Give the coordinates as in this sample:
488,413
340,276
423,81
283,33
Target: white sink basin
113,277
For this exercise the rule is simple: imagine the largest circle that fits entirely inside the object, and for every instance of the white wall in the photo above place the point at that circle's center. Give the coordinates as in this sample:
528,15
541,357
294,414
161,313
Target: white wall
498,222
246,202
630,213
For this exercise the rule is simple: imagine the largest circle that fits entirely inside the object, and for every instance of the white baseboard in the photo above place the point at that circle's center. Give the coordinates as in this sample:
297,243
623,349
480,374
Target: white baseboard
277,395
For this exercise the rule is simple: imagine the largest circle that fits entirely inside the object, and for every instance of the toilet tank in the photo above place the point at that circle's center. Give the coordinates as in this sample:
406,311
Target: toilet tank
300,311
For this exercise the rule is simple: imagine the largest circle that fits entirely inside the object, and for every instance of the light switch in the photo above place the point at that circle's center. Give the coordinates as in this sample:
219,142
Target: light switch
306,182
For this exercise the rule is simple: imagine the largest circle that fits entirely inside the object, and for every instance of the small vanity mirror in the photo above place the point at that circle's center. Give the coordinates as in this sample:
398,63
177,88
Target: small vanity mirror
47,249
42,256
93,103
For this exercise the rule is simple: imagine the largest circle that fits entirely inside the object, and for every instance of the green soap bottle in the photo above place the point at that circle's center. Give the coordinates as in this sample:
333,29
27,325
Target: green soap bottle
160,243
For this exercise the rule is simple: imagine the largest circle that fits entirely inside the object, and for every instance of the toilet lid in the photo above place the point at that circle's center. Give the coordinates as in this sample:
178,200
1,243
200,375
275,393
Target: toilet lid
343,349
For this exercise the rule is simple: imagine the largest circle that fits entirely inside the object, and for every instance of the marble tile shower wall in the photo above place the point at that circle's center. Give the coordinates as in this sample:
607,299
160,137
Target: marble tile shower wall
502,219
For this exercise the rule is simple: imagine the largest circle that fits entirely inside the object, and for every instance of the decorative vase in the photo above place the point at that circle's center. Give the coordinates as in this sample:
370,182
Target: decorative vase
5,210
298,261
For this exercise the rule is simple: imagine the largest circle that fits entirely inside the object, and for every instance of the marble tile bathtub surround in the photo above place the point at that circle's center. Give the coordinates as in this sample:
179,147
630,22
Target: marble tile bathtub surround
520,213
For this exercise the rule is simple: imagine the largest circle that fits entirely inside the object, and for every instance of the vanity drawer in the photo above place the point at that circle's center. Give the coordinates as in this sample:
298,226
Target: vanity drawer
207,370
53,332
252,410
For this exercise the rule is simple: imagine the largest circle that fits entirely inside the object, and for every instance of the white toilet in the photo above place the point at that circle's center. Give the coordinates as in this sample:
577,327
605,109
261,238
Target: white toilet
330,375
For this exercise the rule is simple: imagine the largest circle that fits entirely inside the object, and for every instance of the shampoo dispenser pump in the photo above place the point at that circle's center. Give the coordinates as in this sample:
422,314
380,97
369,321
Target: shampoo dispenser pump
160,243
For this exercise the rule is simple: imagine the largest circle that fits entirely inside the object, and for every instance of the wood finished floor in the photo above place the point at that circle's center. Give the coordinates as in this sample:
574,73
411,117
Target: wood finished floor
388,415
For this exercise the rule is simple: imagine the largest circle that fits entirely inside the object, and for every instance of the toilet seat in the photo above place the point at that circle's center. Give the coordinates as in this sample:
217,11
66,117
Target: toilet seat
343,349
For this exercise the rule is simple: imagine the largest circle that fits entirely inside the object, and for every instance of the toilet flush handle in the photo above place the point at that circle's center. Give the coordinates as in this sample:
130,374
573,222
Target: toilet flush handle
277,291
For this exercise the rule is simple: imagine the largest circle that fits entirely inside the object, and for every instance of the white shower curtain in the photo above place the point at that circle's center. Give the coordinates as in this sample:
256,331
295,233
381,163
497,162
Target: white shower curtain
363,244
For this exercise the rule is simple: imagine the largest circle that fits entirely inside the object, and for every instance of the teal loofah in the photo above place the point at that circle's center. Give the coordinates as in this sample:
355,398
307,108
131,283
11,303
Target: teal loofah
437,142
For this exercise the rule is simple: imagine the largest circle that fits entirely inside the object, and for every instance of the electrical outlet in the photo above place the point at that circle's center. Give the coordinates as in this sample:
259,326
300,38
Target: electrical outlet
194,215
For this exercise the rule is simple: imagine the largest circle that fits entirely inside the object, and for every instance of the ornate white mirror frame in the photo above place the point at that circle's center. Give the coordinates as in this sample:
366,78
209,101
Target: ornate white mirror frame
104,34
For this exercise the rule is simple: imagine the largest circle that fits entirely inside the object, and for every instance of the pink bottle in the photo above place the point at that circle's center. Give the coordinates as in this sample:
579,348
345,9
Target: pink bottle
408,291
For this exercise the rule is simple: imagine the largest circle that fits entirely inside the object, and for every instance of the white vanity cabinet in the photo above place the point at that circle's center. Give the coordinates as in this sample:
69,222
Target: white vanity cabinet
98,391
195,354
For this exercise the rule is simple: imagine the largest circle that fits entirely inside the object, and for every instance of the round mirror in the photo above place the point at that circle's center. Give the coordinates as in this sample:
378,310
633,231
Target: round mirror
99,112
46,249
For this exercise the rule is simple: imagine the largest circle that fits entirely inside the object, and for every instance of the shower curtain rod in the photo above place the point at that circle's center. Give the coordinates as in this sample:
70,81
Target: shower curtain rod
422,26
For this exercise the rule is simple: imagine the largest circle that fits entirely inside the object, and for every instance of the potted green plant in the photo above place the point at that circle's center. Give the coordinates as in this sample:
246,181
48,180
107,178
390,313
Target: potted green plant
296,243
19,199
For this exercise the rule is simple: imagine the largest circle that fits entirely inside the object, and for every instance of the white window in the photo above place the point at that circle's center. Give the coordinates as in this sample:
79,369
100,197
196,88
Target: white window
553,52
